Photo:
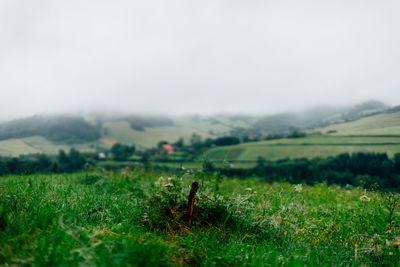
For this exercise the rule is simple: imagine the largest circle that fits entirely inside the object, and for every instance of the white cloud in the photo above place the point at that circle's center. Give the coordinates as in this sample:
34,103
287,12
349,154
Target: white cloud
204,57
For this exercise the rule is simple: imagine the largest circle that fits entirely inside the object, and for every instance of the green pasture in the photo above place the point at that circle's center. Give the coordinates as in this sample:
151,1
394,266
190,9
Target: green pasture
137,218
183,127
381,124
308,147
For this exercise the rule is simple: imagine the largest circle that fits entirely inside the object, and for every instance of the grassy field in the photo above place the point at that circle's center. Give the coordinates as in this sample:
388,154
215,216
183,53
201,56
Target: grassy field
39,144
135,218
183,127
382,124
15,147
120,131
309,147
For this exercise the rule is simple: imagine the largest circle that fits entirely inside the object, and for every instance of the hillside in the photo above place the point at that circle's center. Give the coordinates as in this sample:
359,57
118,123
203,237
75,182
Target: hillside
315,117
62,129
94,132
309,147
48,135
182,127
382,124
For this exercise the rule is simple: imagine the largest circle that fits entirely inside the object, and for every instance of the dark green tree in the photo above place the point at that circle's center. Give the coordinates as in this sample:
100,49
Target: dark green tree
122,152
180,143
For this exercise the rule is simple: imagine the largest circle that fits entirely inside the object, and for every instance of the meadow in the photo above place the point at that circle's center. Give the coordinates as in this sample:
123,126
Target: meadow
136,218
381,124
38,144
121,132
308,147
182,127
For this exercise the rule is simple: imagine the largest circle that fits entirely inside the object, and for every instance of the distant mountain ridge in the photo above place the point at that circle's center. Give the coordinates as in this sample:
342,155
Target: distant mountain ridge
91,132
64,129
315,118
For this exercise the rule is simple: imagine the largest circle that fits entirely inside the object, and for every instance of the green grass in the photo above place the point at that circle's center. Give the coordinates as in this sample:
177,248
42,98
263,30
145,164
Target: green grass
15,147
199,164
382,124
309,147
120,131
183,127
39,144
134,218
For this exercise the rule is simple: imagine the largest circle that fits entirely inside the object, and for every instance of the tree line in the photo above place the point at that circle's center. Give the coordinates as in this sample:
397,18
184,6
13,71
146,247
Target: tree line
369,170
41,163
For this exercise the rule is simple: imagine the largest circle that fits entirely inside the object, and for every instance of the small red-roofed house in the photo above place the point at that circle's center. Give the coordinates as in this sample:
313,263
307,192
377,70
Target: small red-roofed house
167,149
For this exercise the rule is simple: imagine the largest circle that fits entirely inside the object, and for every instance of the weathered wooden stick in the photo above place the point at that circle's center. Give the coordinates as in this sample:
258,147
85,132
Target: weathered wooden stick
192,196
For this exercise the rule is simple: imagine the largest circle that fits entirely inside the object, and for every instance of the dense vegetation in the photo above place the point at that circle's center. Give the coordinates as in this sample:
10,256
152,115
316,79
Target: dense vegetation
368,170
122,152
69,130
40,163
139,123
136,218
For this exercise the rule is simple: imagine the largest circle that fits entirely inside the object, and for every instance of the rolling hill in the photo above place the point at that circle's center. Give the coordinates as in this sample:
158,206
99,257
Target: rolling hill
387,123
98,132
30,135
183,127
308,147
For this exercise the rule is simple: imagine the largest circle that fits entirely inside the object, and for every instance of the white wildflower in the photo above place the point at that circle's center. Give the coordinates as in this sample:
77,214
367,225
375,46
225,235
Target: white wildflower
248,189
298,188
364,198
159,181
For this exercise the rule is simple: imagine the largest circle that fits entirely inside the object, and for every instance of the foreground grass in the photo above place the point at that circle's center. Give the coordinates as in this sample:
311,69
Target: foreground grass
134,218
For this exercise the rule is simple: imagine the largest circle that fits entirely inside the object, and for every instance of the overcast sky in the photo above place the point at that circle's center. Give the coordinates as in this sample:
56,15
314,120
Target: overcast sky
182,56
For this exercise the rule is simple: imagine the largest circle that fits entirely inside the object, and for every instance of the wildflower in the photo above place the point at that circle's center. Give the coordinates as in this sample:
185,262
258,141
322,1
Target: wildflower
159,181
169,178
397,243
248,189
376,237
364,198
298,188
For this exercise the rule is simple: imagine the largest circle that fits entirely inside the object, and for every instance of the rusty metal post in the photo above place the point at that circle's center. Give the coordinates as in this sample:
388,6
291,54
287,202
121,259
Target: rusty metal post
192,196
